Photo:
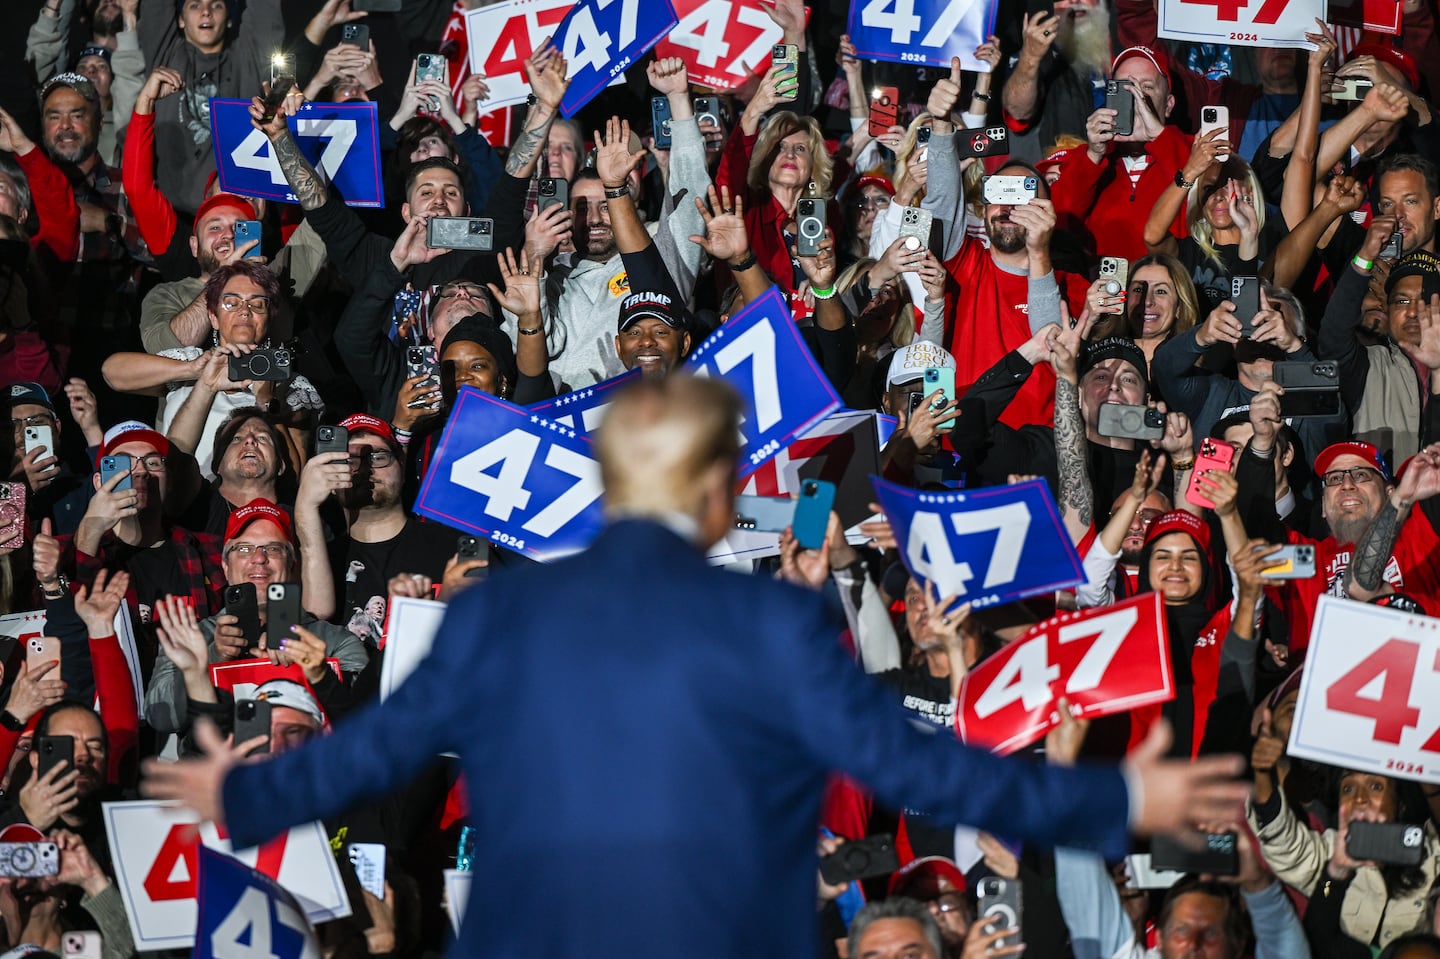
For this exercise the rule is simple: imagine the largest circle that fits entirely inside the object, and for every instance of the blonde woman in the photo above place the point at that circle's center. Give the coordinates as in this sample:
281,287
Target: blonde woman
774,167
1224,215
1159,303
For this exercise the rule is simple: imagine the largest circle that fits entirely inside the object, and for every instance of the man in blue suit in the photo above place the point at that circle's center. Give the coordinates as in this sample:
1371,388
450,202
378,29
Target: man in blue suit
664,730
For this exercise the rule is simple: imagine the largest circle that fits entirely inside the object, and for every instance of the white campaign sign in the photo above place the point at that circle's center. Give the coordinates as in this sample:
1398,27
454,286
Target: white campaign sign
410,629
1250,23
152,845
504,35
1370,695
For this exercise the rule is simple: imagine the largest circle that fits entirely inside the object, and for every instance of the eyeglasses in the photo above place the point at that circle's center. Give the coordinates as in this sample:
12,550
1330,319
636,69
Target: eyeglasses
454,290
267,550
1357,475
377,458
36,419
154,463
873,203
255,305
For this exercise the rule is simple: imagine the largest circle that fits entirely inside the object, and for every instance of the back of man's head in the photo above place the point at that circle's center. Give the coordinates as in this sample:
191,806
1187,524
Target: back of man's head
667,444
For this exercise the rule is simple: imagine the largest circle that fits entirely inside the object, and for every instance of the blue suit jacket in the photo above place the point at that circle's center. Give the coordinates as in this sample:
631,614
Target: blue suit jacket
646,740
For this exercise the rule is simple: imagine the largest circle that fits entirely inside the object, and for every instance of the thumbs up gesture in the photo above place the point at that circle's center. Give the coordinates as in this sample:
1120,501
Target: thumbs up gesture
943,99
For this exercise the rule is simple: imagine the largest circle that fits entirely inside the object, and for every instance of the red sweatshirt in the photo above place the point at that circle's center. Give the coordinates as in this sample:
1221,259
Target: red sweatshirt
1100,201
154,215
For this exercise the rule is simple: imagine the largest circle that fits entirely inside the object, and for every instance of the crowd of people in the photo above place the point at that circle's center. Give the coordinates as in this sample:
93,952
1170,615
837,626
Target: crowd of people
167,487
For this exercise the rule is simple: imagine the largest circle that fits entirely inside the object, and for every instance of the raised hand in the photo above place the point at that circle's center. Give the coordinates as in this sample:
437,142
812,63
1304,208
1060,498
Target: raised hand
1427,351
34,689
180,636
725,235
12,137
613,159
669,76
820,269
945,94
547,231
98,603
161,82
545,70
521,295
1040,29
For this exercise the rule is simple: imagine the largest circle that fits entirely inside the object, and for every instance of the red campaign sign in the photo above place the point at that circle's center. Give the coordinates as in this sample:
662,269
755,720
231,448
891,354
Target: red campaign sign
1382,16
1106,660
723,42
241,676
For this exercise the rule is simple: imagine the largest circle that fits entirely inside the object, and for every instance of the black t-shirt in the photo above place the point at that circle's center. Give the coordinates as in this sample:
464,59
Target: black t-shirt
1212,282
154,573
363,571
928,697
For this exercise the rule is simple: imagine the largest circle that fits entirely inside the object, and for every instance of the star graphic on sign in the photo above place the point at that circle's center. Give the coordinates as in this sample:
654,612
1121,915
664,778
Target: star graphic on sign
534,418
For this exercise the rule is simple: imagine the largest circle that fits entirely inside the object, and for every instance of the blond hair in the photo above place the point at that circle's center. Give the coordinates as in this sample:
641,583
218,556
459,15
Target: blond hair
767,147
1200,229
660,441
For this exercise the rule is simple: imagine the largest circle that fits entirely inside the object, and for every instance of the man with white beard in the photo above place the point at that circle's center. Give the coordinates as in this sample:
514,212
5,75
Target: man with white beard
1058,78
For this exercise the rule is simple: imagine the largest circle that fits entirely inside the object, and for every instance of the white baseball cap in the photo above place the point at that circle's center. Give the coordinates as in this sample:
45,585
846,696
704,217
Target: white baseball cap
910,363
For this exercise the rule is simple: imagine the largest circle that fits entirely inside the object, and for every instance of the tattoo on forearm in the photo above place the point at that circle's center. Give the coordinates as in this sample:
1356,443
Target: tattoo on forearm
526,149
304,180
1075,492
1372,553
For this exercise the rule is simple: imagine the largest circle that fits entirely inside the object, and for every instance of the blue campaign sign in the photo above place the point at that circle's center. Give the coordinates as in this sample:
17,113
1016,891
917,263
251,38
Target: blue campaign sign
602,38
985,546
244,912
517,479
340,138
582,410
760,352
927,32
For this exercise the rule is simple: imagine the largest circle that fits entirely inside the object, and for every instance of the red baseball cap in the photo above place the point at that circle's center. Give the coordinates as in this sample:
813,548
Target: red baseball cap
365,423
1365,451
1180,521
875,180
131,431
1391,57
258,509
1156,55
239,203
926,878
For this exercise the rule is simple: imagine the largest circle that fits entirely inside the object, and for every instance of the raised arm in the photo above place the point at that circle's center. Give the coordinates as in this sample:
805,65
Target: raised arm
546,72
1021,93
143,373
521,296
1383,102
1365,576
1293,253
1299,190
1158,238
154,214
726,238
1076,497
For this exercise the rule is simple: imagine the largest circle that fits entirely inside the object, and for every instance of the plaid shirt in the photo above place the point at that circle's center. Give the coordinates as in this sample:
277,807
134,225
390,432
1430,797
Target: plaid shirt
121,236
199,560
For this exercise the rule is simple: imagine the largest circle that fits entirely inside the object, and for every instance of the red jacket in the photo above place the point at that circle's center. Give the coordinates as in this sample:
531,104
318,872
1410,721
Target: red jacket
1099,200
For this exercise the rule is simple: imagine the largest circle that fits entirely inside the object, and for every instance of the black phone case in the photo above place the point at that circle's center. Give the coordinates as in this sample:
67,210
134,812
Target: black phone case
1245,294
52,751
332,439
252,718
241,601
1119,98
861,859
1391,842
660,122
281,613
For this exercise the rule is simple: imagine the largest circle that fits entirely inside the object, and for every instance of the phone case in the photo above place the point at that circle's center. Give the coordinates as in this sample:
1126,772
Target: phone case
809,226
1245,294
860,859
1115,270
116,463
356,34
787,54
553,191
40,650
242,601
245,231
915,223
1133,422
252,718
1119,98
1010,190
984,141
884,110
1213,455
660,122
1000,908
763,514
52,751
812,513
36,436
941,378
82,945
1214,118
1291,562
12,512
282,610
368,858
1391,842
460,233
332,439
1219,855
